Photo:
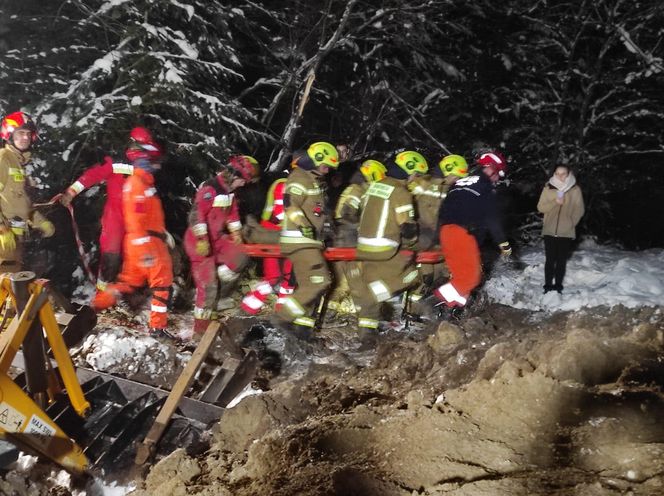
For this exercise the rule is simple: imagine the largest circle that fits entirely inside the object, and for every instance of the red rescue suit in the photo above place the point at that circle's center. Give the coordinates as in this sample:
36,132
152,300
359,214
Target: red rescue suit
275,270
214,217
112,219
146,257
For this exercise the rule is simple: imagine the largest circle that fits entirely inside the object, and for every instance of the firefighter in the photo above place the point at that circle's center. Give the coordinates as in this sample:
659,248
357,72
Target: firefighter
302,236
276,271
213,239
112,220
19,133
387,224
145,251
347,220
467,214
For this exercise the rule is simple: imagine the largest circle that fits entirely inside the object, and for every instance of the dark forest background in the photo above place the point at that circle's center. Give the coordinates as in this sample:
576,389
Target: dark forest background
548,82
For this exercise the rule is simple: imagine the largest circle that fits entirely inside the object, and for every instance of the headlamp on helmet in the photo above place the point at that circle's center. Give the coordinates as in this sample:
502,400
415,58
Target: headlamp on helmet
323,153
412,162
453,165
373,170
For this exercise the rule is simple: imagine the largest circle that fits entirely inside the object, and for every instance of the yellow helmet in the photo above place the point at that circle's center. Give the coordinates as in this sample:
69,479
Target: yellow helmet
373,170
412,162
323,153
453,165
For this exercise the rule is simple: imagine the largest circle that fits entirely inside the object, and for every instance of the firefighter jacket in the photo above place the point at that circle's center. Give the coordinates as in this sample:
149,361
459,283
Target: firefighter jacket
114,174
15,205
428,192
561,220
273,212
304,202
143,212
471,203
387,212
347,214
215,213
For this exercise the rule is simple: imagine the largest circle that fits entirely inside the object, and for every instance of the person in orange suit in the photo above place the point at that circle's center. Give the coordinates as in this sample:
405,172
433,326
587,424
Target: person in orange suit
146,257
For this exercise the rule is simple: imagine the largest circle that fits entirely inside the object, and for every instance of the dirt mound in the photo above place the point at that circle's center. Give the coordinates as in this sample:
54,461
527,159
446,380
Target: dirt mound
506,402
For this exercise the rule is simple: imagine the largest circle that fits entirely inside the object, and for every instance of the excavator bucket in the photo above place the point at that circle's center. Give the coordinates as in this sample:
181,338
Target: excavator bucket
76,326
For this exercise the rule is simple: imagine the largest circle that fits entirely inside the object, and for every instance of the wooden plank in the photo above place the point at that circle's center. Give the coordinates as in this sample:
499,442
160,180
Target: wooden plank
146,449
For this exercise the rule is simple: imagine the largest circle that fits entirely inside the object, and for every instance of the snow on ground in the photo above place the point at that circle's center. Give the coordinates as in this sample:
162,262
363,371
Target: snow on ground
596,275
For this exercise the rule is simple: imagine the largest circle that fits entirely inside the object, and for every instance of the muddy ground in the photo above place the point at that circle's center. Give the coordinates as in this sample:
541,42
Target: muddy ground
504,402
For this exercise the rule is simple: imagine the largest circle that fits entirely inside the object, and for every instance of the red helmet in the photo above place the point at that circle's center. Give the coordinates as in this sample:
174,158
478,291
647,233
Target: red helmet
17,120
141,145
244,166
493,159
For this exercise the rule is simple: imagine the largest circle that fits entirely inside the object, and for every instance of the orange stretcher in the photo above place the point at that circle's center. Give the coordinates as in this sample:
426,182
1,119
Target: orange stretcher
335,254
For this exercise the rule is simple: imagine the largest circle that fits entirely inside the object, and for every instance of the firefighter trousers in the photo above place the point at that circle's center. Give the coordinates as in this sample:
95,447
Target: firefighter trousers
375,281
313,280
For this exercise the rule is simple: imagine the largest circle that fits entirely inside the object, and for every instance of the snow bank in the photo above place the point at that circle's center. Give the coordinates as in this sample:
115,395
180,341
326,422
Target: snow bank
596,275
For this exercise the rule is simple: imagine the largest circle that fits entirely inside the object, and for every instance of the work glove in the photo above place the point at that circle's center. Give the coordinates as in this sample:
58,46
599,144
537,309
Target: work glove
67,197
202,247
505,249
46,227
170,240
307,231
236,237
7,239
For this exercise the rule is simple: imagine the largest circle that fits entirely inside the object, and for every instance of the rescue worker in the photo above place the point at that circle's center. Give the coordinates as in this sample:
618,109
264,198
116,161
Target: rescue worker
467,214
302,235
19,133
213,238
146,258
347,220
112,220
387,224
276,271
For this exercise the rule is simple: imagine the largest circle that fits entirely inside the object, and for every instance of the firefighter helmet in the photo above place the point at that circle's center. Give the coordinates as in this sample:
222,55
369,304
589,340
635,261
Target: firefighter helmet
493,159
142,146
17,120
412,162
453,165
323,153
245,166
373,170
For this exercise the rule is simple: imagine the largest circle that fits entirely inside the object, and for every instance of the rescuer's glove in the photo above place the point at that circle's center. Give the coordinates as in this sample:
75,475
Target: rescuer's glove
46,227
67,197
236,237
505,249
7,239
307,231
202,247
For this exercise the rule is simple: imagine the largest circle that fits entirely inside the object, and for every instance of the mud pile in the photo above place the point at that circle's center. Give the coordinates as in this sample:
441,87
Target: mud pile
506,402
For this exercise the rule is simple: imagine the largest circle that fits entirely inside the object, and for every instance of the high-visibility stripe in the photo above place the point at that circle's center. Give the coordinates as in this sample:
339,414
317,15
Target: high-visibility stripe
380,290
367,323
235,225
293,307
305,321
225,273
410,277
125,169
222,201
158,308
404,208
382,242
140,241
450,294
150,192
250,301
77,186
199,229
264,288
